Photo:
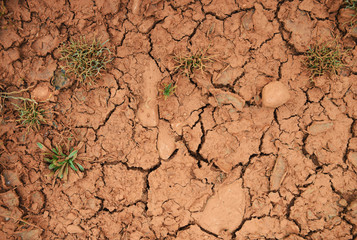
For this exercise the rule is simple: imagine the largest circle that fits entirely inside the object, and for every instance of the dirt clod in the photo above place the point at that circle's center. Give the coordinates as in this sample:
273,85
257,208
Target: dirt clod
10,199
275,94
41,93
30,234
11,178
319,127
165,141
74,229
37,201
224,211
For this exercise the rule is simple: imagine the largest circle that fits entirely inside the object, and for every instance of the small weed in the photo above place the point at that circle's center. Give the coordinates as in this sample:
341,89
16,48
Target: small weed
324,58
21,221
66,135
168,90
351,4
3,9
6,95
31,114
84,59
60,161
189,63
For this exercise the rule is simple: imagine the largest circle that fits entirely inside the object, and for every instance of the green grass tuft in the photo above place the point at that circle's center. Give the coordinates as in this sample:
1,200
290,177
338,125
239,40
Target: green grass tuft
168,90
351,4
3,9
86,60
324,58
6,95
31,114
60,161
187,64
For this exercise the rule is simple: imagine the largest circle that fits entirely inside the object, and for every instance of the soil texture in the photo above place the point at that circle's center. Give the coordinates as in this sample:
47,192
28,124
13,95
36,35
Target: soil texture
212,160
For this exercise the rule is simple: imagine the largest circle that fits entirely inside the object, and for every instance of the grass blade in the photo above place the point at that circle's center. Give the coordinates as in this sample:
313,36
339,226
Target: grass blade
40,145
72,166
80,167
73,154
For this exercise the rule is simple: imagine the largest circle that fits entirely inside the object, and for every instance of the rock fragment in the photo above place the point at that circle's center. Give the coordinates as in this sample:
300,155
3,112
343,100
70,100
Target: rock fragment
319,127
223,97
60,80
278,173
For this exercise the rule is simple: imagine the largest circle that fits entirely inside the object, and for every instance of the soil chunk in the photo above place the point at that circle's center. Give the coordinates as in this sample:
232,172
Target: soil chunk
166,141
11,178
319,127
148,109
225,210
278,228
74,229
10,199
37,201
41,93
30,234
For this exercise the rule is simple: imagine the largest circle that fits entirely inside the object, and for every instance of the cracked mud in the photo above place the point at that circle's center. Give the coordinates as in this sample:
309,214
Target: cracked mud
210,161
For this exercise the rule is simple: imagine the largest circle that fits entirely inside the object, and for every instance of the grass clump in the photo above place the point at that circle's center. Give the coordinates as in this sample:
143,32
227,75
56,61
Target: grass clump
168,90
84,59
60,161
31,114
187,64
351,4
3,9
324,58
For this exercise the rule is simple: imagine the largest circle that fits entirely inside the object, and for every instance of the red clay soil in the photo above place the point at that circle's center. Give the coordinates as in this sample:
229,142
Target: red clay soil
210,161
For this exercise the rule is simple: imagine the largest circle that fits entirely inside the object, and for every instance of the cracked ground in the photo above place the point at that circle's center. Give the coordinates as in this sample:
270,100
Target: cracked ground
209,162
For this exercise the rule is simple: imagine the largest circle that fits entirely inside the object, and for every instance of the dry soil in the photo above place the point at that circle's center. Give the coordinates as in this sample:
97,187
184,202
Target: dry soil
209,162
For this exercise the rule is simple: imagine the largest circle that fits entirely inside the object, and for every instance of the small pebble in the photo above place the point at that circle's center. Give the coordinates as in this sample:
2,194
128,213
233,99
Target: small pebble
343,203
275,94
